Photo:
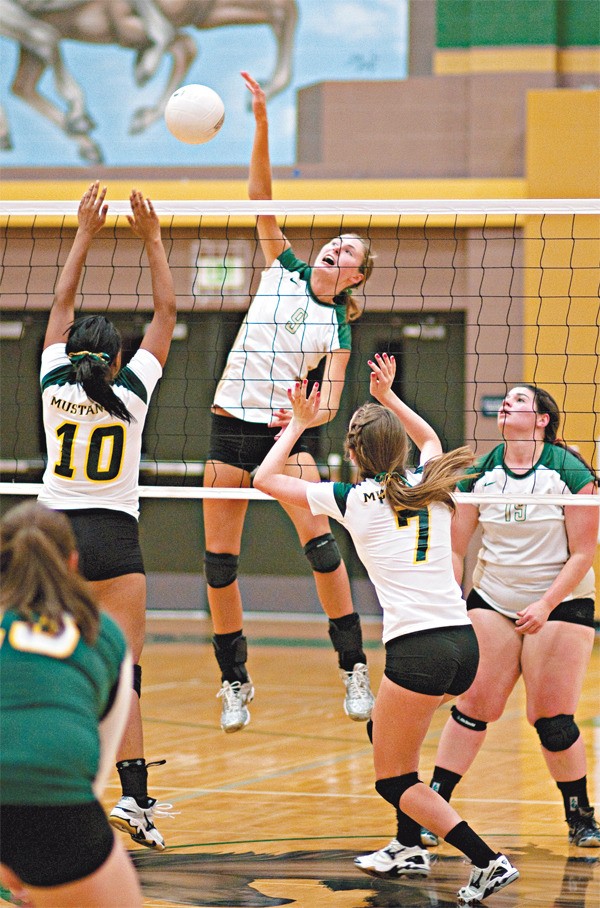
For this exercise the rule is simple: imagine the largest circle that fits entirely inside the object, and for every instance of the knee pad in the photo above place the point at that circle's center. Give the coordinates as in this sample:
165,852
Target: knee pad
467,721
557,733
323,553
137,679
391,790
220,569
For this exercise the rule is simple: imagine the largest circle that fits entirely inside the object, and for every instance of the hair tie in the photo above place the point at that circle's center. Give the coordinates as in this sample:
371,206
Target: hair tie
76,358
385,477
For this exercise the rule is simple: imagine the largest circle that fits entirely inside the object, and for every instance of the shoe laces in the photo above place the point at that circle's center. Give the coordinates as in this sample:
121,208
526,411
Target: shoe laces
231,694
164,810
357,681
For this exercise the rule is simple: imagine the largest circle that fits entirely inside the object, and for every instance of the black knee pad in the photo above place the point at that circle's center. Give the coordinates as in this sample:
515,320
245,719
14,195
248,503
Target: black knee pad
220,569
557,733
392,789
137,679
467,721
323,553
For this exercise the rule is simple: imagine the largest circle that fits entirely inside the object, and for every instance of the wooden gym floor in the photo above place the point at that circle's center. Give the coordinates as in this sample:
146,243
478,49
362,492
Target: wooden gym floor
274,814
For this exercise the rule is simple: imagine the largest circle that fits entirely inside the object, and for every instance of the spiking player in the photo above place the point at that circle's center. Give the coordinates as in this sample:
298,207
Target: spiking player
299,316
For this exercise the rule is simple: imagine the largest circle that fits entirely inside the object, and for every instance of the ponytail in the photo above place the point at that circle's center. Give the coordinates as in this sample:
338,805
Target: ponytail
92,346
379,445
440,476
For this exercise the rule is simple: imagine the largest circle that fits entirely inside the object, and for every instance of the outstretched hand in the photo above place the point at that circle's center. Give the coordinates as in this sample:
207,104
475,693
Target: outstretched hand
304,408
91,214
259,99
383,373
143,220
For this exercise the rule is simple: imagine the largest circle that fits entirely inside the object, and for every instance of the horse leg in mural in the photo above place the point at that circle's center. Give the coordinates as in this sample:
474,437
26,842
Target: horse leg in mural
280,15
39,50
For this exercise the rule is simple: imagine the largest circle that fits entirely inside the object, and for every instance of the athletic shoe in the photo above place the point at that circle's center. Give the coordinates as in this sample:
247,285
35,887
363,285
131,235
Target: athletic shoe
484,881
129,817
429,839
235,695
359,700
395,861
583,829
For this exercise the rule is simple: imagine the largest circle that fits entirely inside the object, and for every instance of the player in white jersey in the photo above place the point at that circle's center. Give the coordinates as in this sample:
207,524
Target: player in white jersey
532,602
94,414
299,316
401,529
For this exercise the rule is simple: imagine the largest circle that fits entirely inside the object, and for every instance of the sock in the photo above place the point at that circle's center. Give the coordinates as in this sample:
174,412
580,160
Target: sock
134,780
467,841
231,651
575,796
444,781
409,831
346,636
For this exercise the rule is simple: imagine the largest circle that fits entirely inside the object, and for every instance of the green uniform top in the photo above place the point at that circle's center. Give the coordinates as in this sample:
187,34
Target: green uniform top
54,690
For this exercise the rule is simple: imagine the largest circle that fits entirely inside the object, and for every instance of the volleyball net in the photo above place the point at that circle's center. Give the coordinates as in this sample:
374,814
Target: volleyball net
471,297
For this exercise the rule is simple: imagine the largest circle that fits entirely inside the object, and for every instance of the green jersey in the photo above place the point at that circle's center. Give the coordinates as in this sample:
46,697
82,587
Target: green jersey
54,689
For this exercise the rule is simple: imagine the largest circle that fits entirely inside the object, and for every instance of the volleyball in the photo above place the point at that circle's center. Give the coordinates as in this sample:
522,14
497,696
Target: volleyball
194,114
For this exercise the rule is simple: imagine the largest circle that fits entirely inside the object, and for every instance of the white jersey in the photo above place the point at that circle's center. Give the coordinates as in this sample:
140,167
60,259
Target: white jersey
93,457
525,546
286,332
407,554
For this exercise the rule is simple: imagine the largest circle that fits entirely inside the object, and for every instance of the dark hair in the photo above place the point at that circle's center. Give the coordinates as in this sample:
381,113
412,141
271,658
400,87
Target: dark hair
93,343
344,298
37,581
544,403
380,446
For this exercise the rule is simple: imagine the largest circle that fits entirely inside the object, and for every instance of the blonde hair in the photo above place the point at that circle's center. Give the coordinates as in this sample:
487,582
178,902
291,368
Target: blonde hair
37,582
353,310
380,446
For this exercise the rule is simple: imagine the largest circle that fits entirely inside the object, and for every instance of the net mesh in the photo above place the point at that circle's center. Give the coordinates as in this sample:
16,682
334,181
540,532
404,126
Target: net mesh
471,298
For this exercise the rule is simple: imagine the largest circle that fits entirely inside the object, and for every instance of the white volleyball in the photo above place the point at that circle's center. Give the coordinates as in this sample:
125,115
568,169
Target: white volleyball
194,114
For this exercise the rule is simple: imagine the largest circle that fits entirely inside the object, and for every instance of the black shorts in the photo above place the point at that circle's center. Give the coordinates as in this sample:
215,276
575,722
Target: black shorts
50,846
435,662
573,611
243,444
108,543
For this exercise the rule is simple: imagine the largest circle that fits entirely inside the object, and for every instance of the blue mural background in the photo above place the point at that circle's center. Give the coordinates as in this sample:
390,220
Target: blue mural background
338,40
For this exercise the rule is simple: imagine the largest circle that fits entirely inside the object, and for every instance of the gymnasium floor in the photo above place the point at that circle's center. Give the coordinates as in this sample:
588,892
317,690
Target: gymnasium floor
274,815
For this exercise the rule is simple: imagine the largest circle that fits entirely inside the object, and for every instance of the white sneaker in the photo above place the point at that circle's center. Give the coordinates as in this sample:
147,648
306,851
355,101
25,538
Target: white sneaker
359,700
235,695
129,817
395,860
484,881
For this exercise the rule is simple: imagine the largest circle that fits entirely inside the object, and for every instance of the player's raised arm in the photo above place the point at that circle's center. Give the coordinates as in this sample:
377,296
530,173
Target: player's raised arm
144,222
383,372
270,476
272,240
91,217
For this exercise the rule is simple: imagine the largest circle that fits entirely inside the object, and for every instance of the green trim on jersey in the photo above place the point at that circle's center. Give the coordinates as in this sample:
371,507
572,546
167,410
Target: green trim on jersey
62,375
341,490
128,379
571,470
289,261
